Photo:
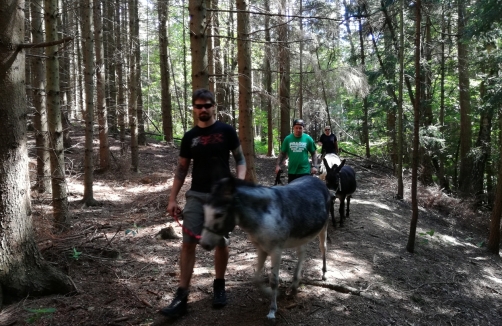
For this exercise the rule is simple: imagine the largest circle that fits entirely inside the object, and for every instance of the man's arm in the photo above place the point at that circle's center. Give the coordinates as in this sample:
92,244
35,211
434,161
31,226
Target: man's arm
179,178
280,160
240,162
337,151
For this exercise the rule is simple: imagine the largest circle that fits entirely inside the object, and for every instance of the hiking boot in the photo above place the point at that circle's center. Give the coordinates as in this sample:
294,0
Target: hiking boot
178,306
219,294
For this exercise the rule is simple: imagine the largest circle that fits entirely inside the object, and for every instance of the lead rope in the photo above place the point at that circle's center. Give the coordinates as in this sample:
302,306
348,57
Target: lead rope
184,229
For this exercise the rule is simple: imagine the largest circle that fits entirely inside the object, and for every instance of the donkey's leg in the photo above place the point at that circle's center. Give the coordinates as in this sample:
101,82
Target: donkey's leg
342,209
348,205
332,210
262,256
324,247
300,251
274,281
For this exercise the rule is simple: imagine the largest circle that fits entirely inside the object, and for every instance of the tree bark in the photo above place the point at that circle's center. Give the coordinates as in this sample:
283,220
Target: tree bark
410,247
465,175
38,83
133,84
399,171
284,73
494,237
22,269
104,147
427,117
64,80
141,136
267,76
88,58
111,87
121,105
59,197
245,89
167,116
198,46
366,136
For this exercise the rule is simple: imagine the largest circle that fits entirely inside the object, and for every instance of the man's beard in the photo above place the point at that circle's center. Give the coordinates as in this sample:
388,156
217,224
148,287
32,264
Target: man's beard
204,117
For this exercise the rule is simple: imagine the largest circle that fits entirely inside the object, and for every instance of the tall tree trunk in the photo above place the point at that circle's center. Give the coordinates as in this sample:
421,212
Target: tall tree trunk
284,72
88,56
80,82
22,269
443,180
111,90
494,237
104,147
185,74
64,79
119,56
167,116
245,88
210,48
133,84
38,84
427,118
465,175
59,197
366,136
300,84
399,171
198,43
347,11
267,76
410,247
218,57
139,105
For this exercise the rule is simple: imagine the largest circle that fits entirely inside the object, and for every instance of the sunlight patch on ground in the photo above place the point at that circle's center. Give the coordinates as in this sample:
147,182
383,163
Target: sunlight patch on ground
343,265
451,240
369,203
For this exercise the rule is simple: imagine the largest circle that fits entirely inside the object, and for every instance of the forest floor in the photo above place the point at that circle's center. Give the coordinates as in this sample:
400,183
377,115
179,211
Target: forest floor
124,273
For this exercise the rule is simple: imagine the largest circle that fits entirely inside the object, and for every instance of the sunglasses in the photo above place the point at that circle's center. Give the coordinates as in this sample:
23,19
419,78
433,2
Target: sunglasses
205,106
326,129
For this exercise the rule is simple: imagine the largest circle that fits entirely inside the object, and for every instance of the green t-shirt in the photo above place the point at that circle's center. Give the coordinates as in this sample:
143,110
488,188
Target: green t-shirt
298,149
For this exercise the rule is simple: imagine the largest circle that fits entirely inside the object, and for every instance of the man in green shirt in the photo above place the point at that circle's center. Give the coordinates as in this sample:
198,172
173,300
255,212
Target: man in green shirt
297,146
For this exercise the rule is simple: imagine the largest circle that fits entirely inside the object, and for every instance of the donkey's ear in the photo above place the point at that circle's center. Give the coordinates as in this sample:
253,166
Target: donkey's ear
326,164
341,165
228,188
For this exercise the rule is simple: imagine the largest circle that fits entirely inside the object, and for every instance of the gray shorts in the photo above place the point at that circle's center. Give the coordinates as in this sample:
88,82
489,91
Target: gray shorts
193,216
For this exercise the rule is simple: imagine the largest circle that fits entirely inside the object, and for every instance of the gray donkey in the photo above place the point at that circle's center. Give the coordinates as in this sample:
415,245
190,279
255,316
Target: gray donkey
275,218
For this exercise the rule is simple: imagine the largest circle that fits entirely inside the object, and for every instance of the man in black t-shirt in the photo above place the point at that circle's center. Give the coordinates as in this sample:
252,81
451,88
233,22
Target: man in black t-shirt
328,142
208,144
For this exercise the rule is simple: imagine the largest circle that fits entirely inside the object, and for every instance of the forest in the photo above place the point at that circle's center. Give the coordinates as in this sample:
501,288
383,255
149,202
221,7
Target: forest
96,96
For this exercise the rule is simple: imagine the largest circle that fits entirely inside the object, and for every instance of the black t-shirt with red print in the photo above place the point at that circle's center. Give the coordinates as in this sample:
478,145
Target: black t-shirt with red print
209,148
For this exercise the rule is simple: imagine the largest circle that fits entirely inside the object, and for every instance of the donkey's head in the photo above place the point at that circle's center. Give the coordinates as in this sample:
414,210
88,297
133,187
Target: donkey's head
333,175
219,217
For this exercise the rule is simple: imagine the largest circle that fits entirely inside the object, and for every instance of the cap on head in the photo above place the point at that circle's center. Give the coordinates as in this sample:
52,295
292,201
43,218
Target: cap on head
327,128
299,122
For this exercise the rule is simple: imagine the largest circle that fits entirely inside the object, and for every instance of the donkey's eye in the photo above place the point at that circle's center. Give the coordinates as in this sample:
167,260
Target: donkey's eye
218,215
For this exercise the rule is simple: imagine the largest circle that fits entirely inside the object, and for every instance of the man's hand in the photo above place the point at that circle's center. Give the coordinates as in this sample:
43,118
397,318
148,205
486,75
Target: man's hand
313,170
173,209
277,168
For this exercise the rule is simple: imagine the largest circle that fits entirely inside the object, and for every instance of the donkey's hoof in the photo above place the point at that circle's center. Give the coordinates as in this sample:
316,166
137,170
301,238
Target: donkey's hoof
324,278
271,316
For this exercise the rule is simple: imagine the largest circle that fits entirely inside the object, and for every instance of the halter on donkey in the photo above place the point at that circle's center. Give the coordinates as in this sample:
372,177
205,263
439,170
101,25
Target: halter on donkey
275,218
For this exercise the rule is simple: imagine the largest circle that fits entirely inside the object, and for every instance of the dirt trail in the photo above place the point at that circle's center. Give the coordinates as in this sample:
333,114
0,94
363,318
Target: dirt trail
124,274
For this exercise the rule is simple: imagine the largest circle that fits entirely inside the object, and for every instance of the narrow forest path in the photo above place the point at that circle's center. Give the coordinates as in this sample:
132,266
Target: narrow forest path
124,273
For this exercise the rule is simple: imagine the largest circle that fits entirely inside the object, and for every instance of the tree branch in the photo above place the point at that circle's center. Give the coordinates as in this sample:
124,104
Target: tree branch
276,15
43,44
